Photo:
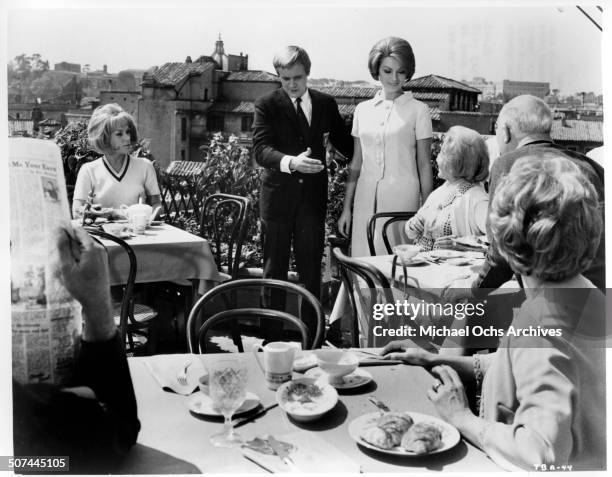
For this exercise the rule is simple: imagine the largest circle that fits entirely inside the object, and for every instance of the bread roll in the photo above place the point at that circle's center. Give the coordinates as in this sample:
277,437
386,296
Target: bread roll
422,438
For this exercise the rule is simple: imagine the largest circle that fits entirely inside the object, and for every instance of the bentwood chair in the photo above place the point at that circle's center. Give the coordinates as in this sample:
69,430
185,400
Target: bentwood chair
181,192
134,320
373,288
224,224
391,217
241,308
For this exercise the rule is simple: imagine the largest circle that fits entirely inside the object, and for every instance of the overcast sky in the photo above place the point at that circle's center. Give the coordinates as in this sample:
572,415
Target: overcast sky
542,43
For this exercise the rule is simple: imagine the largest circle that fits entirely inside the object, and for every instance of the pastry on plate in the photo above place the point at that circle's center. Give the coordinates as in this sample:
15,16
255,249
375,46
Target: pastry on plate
387,431
422,438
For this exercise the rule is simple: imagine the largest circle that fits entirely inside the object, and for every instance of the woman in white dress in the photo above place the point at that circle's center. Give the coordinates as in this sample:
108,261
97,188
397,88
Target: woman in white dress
117,178
390,169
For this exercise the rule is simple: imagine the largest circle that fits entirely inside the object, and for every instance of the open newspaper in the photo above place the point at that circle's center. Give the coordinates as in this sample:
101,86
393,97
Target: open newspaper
46,320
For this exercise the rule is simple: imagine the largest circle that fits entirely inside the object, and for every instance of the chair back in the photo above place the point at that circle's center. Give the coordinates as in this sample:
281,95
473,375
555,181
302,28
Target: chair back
127,301
231,295
373,280
224,224
391,218
181,191
232,317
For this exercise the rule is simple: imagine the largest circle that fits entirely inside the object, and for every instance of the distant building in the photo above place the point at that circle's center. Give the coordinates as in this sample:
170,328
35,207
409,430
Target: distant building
511,89
488,88
445,93
65,66
181,103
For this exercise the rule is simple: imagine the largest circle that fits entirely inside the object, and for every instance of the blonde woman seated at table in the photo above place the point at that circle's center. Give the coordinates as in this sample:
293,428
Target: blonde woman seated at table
543,396
117,178
459,206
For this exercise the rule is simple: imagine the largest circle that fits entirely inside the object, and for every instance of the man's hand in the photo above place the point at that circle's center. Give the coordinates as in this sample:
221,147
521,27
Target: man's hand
305,164
84,269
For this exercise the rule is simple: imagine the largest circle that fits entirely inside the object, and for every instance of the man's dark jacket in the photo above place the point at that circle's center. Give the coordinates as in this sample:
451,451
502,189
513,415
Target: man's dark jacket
495,272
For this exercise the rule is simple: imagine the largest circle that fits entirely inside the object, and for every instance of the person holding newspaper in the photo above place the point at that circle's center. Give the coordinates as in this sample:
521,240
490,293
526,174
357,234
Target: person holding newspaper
94,421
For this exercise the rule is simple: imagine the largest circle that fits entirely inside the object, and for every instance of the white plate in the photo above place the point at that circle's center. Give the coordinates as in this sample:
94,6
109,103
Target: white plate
201,403
416,260
309,411
450,434
443,253
359,377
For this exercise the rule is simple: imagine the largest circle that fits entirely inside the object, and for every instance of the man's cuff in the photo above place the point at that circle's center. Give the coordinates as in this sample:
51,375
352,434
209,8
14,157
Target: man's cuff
284,164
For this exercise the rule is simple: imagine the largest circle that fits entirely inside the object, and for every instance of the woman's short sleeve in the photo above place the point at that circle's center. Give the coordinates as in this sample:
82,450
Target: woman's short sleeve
151,186
423,129
83,185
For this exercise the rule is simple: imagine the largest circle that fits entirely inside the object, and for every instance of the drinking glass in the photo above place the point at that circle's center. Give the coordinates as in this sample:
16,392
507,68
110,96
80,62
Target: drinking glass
227,380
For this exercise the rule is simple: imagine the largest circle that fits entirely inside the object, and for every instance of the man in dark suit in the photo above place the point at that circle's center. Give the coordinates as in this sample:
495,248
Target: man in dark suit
523,129
291,128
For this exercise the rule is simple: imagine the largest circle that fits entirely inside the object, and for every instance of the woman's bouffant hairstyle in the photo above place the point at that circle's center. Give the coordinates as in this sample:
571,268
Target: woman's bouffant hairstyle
545,218
464,154
394,47
290,56
104,120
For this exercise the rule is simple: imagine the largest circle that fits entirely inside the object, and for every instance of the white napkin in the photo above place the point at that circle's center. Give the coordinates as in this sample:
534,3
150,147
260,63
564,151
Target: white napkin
307,449
166,367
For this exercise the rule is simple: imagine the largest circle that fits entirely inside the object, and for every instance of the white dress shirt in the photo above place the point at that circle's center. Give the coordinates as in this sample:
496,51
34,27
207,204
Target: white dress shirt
307,108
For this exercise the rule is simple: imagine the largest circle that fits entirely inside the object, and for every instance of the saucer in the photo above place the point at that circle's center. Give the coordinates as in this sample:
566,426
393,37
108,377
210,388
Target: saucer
416,260
359,377
202,404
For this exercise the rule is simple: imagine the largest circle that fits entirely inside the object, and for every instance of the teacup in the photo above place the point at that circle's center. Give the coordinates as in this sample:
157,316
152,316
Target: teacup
336,363
406,252
277,362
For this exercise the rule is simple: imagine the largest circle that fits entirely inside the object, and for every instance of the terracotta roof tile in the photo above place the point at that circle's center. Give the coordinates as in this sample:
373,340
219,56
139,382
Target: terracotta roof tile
348,91
237,107
439,82
172,74
252,75
577,130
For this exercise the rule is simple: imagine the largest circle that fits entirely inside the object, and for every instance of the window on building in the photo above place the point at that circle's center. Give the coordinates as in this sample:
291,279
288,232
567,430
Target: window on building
216,122
205,94
182,154
183,129
17,116
247,122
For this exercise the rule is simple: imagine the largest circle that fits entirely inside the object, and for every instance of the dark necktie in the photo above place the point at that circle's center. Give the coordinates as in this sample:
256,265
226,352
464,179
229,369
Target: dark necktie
302,121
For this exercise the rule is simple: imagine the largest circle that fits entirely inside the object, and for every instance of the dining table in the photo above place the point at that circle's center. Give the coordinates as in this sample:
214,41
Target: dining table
175,440
426,280
163,253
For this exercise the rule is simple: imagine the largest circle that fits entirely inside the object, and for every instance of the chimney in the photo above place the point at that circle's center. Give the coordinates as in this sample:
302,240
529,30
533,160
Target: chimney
104,69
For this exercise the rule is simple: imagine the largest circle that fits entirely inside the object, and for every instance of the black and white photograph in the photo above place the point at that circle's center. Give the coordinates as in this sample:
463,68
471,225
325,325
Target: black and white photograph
334,237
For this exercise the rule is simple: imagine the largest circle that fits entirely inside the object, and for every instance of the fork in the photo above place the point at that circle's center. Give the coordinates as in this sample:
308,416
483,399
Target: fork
181,377
379,404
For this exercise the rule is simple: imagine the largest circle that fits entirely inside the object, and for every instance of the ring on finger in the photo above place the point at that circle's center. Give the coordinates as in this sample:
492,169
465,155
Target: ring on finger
436,385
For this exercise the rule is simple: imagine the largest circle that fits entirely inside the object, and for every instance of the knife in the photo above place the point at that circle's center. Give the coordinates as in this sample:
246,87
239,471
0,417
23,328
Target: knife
280,451
243,420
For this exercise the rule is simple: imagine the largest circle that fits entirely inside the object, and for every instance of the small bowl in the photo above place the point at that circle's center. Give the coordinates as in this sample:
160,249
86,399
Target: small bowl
336,363
310,410
406,252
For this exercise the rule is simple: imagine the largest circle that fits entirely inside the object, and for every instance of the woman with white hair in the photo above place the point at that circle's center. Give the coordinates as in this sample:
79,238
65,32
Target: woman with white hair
459,206
543,391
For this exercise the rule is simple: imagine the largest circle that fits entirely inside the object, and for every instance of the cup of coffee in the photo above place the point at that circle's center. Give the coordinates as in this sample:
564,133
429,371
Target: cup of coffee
277,362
